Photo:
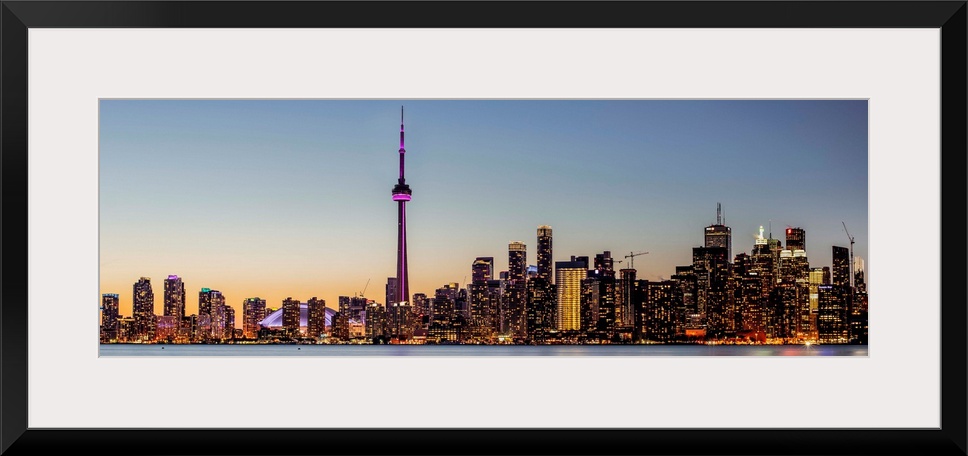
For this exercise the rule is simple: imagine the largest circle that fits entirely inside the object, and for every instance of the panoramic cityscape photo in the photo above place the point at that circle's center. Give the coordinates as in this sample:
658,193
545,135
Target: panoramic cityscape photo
483,227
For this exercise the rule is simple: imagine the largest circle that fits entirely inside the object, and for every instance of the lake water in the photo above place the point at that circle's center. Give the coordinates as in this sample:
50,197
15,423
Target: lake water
481,350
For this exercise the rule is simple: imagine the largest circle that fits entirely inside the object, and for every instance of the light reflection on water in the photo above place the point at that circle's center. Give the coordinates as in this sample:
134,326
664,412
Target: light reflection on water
481,350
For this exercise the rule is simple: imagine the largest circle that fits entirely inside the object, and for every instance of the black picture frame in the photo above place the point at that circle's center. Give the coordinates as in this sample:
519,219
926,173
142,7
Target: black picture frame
17,16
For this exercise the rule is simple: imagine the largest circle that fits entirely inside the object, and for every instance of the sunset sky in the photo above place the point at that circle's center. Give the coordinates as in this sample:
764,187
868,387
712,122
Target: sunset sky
279,198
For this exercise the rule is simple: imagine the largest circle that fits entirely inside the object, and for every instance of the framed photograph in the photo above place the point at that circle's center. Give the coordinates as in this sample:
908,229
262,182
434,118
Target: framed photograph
102,100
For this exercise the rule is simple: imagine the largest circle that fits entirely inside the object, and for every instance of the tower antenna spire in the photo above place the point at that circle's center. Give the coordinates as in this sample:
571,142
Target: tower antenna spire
719,214
401,195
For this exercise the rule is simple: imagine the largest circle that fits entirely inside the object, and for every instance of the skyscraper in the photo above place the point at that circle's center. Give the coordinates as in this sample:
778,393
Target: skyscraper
796,239
513,315
144,310
228,331
205,301
658,311
253,311
517,260
290,316
401,194
391,295
482,269
544,253
711,267
832,314
217,317
174,297
109,317
719,235
316,318
840,270
568,279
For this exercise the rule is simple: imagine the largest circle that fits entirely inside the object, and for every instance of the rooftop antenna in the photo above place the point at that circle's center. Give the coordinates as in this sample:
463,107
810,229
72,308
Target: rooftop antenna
719,214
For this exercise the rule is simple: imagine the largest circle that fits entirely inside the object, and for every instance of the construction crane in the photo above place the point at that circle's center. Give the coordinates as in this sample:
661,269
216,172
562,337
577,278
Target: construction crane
851,238
632,256
364,288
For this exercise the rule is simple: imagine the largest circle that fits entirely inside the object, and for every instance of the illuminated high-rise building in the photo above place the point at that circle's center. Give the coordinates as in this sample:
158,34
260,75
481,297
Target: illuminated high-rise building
166,328
658,310
711,268
599,310
568,280
832,314
794,266
205,301
840,270
783,311
485,302
174,297
144,310
860,284
544,253
718,234
482,269
421,309
796,239
517,260
749,305
514,321
218,318
400,324
625,312
857,317
540,309
228,332
376,328
290,316
590,300
605,264
401,195
391,294
688,286
253,311
109,317
316,318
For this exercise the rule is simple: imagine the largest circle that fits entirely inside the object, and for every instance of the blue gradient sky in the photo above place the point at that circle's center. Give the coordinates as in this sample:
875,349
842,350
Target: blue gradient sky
292,198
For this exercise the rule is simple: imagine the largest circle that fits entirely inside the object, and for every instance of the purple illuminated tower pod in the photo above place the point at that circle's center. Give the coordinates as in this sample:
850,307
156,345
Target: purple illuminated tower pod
401,194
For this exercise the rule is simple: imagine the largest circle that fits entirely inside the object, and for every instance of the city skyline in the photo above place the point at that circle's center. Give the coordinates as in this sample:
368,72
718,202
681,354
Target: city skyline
252,231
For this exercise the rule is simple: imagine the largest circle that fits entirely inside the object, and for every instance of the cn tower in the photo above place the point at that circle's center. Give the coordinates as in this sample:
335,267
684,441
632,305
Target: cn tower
401,194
